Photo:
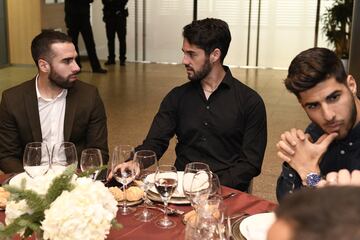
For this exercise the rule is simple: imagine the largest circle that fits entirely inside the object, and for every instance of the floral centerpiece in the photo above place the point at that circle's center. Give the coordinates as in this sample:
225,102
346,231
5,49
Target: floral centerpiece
64,206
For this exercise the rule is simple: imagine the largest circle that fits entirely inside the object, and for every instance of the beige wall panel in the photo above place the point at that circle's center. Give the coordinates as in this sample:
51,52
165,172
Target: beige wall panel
53,16
24,22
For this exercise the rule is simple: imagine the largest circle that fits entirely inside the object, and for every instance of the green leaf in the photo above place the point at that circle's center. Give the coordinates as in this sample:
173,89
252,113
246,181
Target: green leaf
89,172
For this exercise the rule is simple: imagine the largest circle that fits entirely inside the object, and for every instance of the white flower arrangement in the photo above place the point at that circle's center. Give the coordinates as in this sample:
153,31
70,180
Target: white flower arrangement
80,209
84,213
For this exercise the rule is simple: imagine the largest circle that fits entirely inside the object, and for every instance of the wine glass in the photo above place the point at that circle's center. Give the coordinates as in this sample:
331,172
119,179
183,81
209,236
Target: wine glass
166,182
36,159
215,186
148,164
91,160
63,154
200,188
190,170
124,171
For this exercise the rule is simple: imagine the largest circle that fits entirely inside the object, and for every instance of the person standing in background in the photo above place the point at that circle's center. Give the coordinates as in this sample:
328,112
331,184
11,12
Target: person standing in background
77,19
115,14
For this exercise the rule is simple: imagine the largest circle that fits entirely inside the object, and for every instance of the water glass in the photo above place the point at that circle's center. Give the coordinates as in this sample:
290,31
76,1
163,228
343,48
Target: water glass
91,160
190,170
166,182
147,166
124,171
36,159
63,154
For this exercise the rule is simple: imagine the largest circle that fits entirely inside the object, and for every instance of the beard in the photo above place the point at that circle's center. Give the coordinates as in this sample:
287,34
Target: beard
200,74
349,124
352,118
60,81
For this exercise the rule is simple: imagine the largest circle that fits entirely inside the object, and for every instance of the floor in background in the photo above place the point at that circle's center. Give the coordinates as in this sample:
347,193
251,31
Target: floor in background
132,95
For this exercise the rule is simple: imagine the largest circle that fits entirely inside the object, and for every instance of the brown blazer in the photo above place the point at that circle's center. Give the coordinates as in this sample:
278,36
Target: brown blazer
84,124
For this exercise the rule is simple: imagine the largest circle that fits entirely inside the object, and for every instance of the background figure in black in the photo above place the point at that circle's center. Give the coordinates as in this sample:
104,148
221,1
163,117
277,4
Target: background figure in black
115,15
77,19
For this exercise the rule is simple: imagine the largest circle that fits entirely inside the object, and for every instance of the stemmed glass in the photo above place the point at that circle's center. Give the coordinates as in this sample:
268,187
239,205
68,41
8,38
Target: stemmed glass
166,182
63,154
190,170
200,188
215,186
124,171
36,159
91,159
147,165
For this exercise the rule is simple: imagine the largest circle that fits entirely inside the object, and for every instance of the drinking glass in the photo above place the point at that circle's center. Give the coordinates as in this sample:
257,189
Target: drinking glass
215,186
147,165
200,188
209,223
36,159
63,154
190,170
91,160
124,171
166,182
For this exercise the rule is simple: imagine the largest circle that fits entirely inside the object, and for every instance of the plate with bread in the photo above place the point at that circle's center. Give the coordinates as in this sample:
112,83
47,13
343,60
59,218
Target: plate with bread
134,195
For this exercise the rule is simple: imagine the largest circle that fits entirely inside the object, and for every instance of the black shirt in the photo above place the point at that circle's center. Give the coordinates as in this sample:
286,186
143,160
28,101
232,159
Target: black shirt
227,131
341,154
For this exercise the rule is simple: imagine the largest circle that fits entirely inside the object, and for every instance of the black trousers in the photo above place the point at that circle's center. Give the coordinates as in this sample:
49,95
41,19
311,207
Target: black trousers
82,25
116,24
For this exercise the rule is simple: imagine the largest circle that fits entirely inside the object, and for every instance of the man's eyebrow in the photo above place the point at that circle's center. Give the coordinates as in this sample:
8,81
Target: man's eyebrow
328,96
333,93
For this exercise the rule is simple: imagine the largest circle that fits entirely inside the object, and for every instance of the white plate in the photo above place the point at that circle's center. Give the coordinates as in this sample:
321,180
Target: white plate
37,184
174,200
256,226
179,193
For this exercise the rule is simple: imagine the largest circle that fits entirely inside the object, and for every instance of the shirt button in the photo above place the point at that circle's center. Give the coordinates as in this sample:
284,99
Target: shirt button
350,143
205,123
203,139
342,152
207,107
291,175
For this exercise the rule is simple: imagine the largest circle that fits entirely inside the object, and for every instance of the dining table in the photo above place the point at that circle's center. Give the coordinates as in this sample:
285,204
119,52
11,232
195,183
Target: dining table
238,204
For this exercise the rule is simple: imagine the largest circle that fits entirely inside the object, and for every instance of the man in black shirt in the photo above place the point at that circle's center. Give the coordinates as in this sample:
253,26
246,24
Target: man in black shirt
217,119
332,141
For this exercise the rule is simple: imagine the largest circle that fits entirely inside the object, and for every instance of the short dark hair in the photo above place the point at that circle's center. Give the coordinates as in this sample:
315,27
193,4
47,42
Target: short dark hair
322,214
208,34
41,44
311,67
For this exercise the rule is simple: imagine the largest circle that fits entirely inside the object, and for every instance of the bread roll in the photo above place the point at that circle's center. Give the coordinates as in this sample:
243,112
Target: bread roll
4,196
134,194
117,193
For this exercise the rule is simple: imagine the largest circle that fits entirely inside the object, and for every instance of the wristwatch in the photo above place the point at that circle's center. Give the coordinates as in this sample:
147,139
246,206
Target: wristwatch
312,179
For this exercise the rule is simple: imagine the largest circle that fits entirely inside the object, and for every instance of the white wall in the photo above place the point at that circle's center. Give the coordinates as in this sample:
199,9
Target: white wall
286,28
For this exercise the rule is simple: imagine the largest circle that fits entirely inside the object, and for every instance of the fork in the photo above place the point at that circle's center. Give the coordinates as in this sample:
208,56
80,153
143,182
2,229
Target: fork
160,207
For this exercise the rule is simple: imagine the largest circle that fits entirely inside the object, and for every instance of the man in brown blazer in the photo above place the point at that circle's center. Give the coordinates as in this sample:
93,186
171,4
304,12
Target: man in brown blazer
53,106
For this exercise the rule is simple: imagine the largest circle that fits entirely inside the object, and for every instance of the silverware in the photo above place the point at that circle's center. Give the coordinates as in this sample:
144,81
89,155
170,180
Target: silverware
233,194
159,206
170,211
237,215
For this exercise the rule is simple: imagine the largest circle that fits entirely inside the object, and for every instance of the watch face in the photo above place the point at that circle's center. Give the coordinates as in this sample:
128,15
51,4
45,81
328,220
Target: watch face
312,179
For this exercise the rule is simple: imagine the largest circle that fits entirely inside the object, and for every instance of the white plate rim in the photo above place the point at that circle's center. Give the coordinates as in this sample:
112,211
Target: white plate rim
253,219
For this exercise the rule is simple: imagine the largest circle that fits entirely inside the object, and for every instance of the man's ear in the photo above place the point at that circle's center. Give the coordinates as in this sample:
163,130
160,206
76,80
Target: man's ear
44,66
351,83
215,55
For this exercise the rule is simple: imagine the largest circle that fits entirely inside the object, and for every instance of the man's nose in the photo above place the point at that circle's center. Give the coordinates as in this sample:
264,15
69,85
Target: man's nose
328,113
75,67
185,60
